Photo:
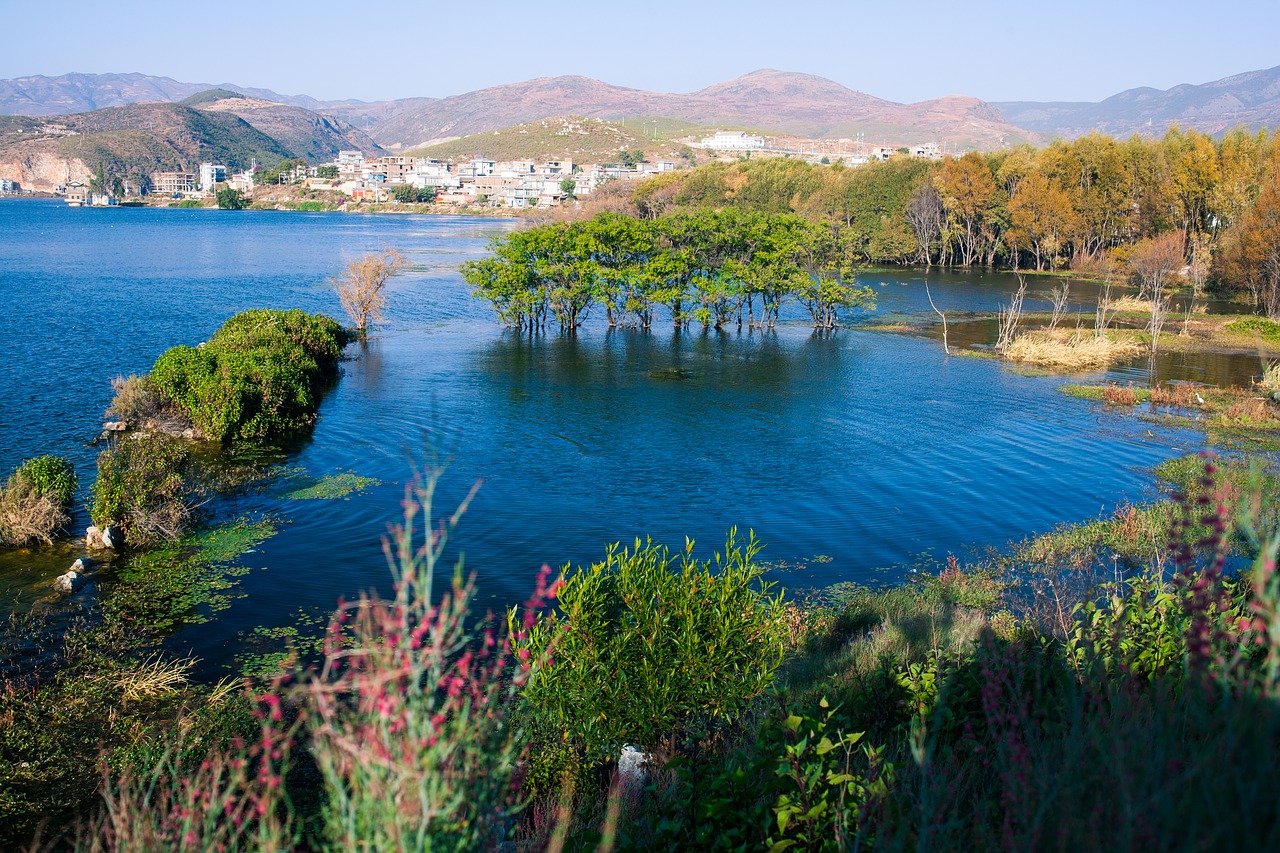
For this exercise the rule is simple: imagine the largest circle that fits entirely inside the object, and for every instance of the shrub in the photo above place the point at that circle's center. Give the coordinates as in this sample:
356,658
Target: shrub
648,643
145,487
261,374
35,501
229,199
133,402
1268,330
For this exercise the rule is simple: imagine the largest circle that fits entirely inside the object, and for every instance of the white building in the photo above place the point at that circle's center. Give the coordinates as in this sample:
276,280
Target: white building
210,174
728,141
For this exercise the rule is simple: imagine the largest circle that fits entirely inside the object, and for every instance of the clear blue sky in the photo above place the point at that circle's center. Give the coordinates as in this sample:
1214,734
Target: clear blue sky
903,51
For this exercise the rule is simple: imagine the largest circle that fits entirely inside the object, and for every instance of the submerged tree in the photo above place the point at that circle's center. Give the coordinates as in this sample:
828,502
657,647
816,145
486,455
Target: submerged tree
360,287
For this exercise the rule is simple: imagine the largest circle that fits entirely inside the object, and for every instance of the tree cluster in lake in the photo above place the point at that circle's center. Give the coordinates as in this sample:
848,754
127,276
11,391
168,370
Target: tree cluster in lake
715,268
1080,204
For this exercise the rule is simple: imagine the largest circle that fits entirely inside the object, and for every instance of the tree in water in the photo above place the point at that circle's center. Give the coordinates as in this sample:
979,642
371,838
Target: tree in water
360,287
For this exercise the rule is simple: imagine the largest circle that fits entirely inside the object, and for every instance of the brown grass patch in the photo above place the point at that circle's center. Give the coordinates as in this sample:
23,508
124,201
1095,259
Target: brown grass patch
1131,304
1069,350
28,517
1250,409
1120,396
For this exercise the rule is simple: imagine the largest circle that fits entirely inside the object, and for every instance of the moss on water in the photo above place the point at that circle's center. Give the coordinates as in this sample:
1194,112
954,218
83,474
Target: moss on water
299,486
186,583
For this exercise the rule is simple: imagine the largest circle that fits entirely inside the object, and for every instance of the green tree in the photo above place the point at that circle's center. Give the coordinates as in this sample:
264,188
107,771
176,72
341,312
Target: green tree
229,199
409,194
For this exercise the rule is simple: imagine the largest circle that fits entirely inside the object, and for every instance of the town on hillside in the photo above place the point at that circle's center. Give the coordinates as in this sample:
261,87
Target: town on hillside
480,182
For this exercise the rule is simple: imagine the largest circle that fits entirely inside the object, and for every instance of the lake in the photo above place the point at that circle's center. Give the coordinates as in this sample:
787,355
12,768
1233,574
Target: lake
852,455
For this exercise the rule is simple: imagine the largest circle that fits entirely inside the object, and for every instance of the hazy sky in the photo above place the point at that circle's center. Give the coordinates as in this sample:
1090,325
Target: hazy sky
903,51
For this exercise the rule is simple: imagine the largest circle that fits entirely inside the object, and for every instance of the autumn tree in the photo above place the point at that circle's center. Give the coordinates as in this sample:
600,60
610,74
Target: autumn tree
1250,256
360,287
968,190
1042,219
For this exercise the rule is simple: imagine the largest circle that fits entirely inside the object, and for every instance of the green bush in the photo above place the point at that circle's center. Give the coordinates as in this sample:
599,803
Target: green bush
260,375
648,644
229,199
145,487
34,503
48,474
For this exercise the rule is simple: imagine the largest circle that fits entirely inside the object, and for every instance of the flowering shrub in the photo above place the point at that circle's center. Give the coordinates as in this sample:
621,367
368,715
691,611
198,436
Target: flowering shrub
409,718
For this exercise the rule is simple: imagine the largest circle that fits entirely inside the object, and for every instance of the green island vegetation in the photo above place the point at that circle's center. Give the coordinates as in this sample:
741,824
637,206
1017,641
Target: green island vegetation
259,377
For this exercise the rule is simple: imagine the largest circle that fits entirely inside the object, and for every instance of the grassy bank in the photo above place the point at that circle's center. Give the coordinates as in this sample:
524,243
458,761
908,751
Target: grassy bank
1003,703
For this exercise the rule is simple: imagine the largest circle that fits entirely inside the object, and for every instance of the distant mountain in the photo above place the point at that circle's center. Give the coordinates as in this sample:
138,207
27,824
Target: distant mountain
313,136
82,93
799,104
1251,99
130,141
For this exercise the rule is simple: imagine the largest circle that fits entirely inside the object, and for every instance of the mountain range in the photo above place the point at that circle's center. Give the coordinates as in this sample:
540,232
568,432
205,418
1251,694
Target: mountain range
55,128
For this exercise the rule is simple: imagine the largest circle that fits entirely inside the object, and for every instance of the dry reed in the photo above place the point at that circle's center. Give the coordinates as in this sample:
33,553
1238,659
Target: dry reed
1070,351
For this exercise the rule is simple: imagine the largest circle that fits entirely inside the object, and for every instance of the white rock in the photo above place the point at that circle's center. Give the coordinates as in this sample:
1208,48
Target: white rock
113,537
69,583
115,426
93,538
82,565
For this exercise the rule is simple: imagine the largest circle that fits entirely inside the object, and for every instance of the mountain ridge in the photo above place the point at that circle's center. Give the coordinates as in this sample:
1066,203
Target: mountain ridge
1251,98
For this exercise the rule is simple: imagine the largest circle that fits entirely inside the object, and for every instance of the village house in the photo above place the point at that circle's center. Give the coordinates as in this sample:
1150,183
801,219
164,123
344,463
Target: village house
393,170
76,194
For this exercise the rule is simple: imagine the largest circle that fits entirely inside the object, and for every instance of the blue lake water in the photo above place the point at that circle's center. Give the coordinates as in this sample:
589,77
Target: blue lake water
866,447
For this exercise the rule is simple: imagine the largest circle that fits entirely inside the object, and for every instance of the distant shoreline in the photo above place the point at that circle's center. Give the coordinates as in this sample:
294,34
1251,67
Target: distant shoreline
404,210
